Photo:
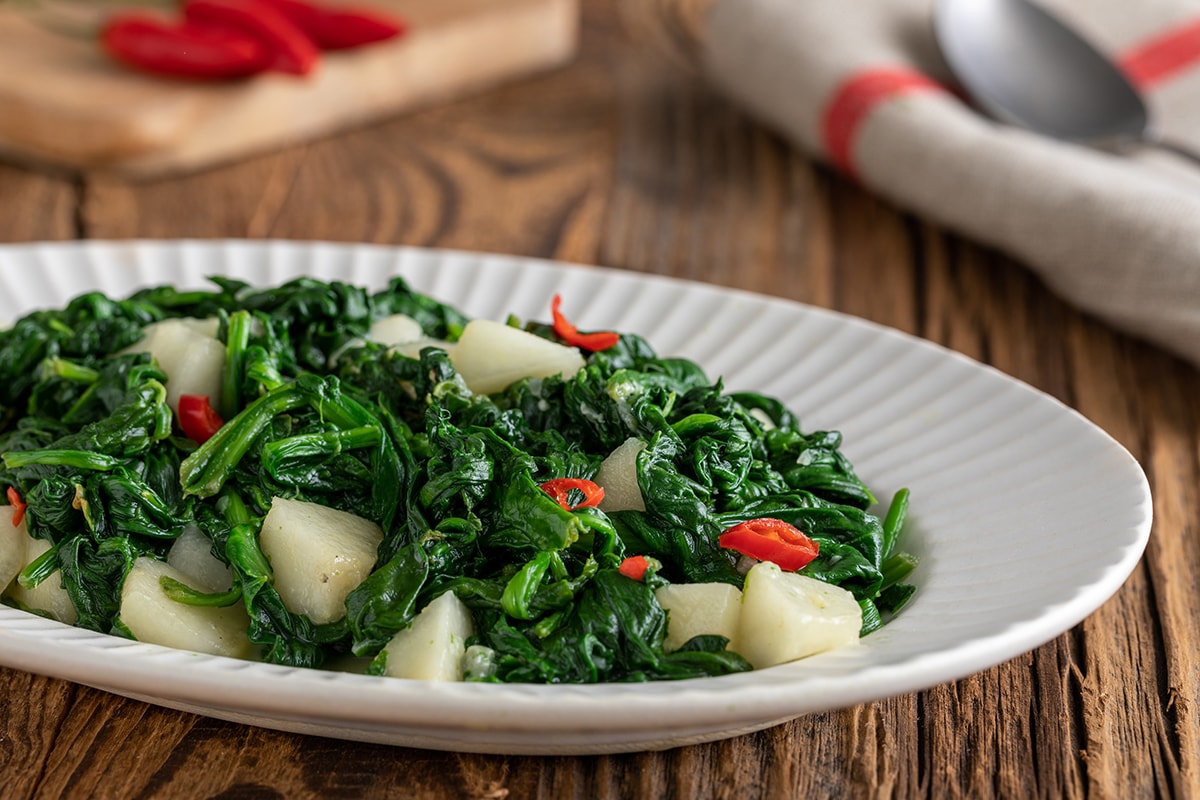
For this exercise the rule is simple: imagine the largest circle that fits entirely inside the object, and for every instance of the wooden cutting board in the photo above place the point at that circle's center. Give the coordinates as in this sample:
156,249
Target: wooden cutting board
62,101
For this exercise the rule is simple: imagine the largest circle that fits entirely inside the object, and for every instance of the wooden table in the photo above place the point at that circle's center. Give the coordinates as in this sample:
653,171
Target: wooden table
622,161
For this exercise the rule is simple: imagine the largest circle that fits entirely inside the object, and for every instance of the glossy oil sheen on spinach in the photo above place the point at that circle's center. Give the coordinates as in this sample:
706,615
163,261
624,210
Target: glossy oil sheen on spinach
317,413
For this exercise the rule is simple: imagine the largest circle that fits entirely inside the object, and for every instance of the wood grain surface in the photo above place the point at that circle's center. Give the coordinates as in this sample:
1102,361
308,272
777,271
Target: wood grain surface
624,160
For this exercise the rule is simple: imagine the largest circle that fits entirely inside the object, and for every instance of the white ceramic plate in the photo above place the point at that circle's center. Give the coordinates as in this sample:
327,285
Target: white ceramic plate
1026,516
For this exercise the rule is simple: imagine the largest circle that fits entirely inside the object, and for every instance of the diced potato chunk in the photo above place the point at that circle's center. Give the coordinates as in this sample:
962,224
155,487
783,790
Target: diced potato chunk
619,477
696,609
192,555
413,349
153,617
490,356
193,361
432,647
786,616
396,329
49,596
209,326
318,555
14,542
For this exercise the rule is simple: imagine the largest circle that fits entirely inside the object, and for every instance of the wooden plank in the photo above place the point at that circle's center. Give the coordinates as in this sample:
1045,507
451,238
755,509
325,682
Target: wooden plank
36,206
64,102
430,178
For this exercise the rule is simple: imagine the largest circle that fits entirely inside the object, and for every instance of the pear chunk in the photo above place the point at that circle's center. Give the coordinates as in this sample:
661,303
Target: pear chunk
786,616
191,554
318,555
396,329
490,356
193,361
14,542
49,596
433,646
413,349
696,609
618,476
153,617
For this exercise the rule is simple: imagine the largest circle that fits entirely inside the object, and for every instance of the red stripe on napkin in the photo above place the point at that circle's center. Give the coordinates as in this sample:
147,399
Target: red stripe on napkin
853,102
1163,56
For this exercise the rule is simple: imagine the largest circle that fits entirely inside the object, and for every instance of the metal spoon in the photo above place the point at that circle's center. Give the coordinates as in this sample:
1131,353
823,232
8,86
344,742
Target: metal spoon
1025,67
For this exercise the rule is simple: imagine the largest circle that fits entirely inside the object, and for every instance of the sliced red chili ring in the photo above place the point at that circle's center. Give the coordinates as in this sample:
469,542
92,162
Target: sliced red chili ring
560,490
563,329
770,539
19,506
197,419
634,567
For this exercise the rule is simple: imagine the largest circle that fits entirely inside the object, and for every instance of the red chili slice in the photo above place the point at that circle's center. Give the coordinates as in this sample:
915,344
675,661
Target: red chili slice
19,506
197,419
601,340
186,50
769,539
338,27
634,567
290,48
560,489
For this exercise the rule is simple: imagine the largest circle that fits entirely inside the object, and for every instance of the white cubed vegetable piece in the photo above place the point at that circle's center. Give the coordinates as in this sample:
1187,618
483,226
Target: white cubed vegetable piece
153,617
191,554
49,596
14,543
490,356
209,326
413,349
619,477
396,329
432,647
698,609
194,363
786,616
318,555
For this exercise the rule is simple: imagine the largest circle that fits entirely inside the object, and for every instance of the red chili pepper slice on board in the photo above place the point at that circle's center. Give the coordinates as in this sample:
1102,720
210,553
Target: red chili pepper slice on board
338,27
185,50
19,506
290,48
634,567
769,539
560,490
197,419
601,340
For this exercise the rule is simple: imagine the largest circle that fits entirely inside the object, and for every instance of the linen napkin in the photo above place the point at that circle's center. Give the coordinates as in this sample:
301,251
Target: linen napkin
862,85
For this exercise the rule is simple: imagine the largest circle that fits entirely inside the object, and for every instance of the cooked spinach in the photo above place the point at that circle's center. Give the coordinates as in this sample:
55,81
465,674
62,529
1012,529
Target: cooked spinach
317,412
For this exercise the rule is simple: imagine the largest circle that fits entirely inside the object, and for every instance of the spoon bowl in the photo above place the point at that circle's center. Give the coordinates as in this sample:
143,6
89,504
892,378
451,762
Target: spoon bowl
1025,67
